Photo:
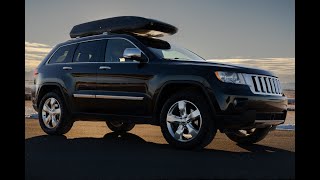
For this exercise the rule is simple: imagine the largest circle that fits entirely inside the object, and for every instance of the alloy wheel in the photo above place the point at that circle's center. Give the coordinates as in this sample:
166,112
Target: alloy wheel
184,121
51,113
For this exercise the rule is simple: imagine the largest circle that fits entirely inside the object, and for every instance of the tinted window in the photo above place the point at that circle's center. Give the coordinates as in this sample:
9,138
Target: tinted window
63,54
115,49
89,51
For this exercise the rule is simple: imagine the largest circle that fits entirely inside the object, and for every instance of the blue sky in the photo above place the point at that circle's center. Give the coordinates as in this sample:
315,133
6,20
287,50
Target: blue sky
215,29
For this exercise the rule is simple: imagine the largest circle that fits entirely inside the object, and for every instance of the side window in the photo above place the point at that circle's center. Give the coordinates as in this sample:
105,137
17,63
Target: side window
91,51
115,49
63,54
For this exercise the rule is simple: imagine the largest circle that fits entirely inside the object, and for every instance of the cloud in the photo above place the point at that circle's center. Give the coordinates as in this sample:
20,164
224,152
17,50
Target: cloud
31,64
37,49
284,68
34,54
29,44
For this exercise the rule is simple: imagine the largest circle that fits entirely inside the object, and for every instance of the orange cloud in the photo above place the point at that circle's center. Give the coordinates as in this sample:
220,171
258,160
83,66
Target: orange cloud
34,54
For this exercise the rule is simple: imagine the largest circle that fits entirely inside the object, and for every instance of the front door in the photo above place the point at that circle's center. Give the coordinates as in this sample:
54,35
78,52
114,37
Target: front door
122,83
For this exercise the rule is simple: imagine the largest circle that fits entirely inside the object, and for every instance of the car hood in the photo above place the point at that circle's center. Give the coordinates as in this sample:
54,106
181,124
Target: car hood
225,67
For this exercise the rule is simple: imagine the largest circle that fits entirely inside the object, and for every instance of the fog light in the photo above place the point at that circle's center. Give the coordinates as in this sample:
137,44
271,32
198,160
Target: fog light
235,102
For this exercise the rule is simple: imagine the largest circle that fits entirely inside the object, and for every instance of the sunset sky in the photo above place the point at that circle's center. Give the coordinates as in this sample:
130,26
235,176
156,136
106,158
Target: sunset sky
257,33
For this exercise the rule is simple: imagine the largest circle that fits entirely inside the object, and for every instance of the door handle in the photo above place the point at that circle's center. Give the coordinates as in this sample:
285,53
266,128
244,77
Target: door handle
104,67
67,68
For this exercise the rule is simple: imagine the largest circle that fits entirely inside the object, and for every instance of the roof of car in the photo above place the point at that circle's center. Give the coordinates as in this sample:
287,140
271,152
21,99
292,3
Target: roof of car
93,37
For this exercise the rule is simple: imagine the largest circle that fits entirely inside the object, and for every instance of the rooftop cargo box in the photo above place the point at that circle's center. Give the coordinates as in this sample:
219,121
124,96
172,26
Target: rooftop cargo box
124,24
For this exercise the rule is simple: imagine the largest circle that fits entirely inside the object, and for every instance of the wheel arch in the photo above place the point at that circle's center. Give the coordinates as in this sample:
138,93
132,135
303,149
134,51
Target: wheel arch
50,87
171,87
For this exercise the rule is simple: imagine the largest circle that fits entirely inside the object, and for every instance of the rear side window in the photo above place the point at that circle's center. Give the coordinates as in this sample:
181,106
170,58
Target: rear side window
63,54
90,51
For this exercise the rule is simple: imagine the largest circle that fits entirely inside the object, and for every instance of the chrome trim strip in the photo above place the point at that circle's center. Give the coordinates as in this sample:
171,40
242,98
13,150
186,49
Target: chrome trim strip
84,96
68,44
269,122
119,97
107,97
268,84
257,83
264,88
280,86
275,85
272,85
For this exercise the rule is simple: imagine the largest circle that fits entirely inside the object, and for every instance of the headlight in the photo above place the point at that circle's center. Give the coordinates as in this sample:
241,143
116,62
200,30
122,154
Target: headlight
230,77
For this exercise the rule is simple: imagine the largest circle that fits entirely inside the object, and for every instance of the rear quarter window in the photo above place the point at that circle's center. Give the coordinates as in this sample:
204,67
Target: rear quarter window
63,54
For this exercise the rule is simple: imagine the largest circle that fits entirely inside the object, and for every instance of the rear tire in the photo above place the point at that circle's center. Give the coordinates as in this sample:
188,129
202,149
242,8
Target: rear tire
118,126
255,136
191,125
54,117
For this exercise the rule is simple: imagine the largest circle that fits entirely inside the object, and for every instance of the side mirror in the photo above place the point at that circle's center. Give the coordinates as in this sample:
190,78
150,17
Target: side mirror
134,54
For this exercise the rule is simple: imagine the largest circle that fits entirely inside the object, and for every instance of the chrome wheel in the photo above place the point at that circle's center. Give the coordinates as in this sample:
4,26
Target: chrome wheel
184,121
51,113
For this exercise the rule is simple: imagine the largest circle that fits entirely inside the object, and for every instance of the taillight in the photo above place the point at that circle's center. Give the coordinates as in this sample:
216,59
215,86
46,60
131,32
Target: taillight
35,72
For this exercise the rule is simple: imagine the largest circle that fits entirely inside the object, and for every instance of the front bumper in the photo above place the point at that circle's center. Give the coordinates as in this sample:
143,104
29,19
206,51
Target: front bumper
250,119
237,107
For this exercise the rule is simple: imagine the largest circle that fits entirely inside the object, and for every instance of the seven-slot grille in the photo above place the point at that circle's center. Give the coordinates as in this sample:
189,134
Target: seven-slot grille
266,85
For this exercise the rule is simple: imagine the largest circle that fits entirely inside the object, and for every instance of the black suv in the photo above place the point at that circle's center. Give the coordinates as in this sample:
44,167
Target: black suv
128,78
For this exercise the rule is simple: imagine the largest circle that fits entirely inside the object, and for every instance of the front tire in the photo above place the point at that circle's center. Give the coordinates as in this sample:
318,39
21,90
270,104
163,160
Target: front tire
186,120
119,126
249,136
54,117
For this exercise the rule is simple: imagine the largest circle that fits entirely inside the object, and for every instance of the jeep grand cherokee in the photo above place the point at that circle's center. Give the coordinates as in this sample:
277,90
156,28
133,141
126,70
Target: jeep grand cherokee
130,77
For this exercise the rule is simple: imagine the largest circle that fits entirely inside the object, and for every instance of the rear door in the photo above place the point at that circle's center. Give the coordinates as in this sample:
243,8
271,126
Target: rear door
82,74
54,71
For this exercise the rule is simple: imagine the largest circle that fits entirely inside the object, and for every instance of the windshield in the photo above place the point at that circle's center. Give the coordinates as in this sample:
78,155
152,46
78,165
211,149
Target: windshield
175,53
164,50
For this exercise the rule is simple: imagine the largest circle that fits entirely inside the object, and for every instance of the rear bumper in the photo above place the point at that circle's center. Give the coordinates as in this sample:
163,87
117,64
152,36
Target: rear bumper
33,97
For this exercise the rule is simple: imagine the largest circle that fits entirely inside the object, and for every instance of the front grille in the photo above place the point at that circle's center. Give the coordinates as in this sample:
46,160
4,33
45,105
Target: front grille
266,85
